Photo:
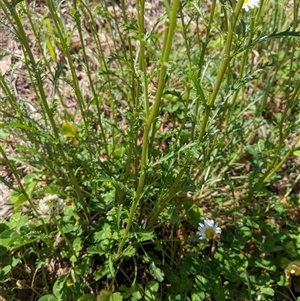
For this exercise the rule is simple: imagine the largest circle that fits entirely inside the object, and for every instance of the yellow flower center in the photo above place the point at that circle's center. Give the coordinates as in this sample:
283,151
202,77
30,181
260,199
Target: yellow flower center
210,233
246,1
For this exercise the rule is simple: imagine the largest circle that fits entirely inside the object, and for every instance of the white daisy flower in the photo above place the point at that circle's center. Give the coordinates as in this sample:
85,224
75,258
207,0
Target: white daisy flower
208,230
250,4
51,205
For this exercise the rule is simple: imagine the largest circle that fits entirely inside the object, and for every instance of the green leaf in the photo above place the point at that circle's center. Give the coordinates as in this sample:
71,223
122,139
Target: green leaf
267,291
185,285
17,198
129,251
173,278
103,234
127,291
238,262
138,291
67,224
151,287
15,261
265,263
59,286
198,295
218,291
95,249
272,35
268,245
157,273
3,273
87,297
203,284
8,237
194,214
23,220
77,244
48,298
282,281
290,247
102,271
83,267
182,298
211,269
6,258
116,297
30,183
144,235
191,265
96,205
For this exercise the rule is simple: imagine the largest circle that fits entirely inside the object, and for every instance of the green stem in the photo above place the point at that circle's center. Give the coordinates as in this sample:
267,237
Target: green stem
222,70
295,22
150,120
160,205
32,65
276,168
201,97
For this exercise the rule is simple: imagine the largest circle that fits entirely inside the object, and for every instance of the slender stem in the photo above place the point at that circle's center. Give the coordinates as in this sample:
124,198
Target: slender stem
223,68
276,168
32,65
150,120
164,200
201,61
295,12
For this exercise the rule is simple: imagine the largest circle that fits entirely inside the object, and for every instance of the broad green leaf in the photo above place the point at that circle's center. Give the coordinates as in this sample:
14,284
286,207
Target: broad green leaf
67,224
268,245
17,198
198,296
138,292
59,286
30,183
203,284
152,287
116,297
8,237
185,285
218,291
267,291
290,247
191,265
77,244
182,297
48,298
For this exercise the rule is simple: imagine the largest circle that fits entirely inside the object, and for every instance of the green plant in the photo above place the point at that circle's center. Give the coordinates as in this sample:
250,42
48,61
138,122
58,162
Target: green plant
138,130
